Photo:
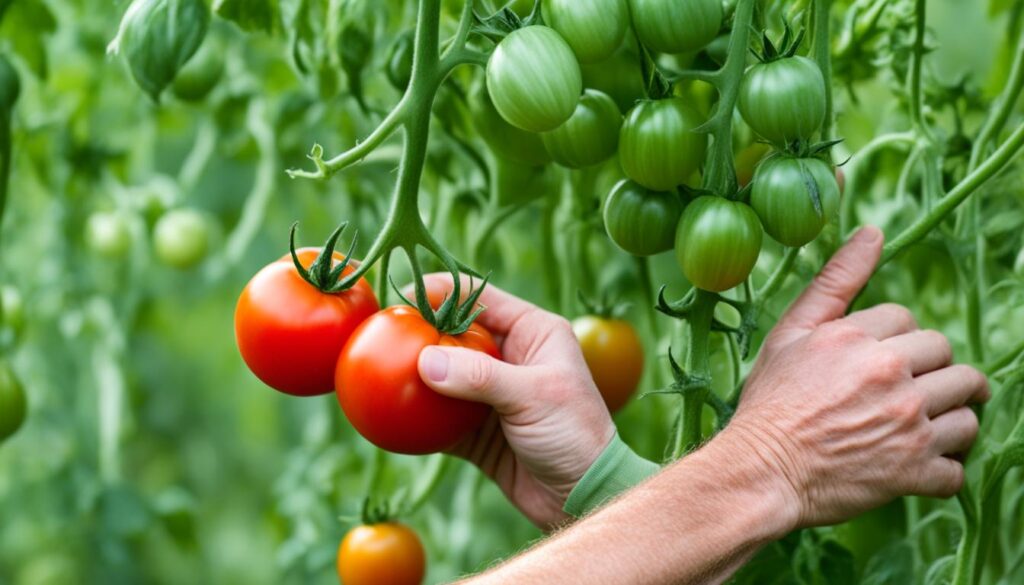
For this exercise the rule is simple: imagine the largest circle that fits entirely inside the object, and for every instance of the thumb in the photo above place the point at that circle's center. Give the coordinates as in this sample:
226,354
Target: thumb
473,375
832,291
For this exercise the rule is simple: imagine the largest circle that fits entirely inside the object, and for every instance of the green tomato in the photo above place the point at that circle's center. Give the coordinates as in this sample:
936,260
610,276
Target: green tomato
108,234
399,64
620,77
534,79
783,196
640,221
181,238
784,100
658,147
504,139
594,29
676,26
718,242
12,402
590,136
200,74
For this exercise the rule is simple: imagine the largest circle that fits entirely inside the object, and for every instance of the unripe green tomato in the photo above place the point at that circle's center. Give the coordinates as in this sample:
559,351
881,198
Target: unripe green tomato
620,77
181,238
534,79
718,242
747,160
783,198
12,402
200,74
12,309
784,100
658,147
399,64
108,234
676,26
594,29
590,136
640,221
504,139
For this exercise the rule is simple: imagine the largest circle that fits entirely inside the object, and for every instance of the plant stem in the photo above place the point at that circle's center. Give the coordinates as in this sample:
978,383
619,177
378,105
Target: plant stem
823,57
697,366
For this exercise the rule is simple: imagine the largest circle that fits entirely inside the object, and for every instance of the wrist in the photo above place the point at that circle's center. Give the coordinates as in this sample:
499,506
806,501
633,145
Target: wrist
753,464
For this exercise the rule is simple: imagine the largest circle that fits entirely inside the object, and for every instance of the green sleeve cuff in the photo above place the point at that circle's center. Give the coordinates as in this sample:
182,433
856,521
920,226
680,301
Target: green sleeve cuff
616,470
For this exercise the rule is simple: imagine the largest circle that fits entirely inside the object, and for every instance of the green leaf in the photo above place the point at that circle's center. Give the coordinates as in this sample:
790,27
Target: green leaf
941,571
249,15
158,37
893,565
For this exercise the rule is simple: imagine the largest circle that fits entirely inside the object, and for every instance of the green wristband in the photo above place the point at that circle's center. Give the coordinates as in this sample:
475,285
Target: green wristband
616,470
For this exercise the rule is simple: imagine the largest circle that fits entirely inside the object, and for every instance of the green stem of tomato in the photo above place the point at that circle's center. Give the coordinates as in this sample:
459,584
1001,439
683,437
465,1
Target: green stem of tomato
720,175
436,469
698,366
822,47
985,171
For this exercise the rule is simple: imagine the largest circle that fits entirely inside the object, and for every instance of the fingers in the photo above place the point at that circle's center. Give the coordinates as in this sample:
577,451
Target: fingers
884,321
955,431
503,309
828,297
952,387
472,375
942,477
926,351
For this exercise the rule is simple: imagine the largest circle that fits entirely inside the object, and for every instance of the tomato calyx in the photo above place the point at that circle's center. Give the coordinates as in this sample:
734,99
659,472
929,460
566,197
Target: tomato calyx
787,46
451,317
684,308
376,511
498,25
604,306
322,273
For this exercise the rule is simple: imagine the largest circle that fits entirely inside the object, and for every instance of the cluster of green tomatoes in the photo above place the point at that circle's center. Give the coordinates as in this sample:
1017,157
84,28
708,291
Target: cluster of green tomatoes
535,83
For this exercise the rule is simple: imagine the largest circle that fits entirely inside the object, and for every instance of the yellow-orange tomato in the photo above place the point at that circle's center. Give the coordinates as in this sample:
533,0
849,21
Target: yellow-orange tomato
381,554
614,355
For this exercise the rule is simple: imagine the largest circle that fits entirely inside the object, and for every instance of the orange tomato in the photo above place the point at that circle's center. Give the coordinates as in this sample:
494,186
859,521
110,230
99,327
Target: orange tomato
614,355
381,554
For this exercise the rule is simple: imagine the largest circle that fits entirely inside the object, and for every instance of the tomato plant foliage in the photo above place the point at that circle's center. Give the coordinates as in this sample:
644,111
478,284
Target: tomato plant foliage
691,163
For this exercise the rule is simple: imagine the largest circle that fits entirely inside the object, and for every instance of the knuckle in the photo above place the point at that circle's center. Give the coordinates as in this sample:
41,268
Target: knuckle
907,410
479,373
888,367
899,314
838,333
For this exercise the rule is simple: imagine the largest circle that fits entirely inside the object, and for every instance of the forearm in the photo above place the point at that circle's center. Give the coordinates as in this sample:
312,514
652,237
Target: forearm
696,522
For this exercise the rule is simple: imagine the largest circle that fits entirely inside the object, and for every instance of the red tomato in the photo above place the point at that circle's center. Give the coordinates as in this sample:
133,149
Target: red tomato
290,333
381,554
380,389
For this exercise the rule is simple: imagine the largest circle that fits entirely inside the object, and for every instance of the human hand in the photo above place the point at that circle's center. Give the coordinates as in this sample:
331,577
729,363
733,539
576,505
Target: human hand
855,411
549,423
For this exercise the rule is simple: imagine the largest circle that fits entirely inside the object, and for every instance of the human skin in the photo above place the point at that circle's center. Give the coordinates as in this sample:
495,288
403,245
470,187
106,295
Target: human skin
840,415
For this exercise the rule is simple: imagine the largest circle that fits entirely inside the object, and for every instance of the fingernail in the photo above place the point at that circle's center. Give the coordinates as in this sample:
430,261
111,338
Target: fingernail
867,235
434,364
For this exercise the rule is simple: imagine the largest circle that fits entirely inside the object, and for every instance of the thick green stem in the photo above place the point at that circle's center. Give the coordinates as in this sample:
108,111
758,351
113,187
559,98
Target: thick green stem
720,176
697,366
823,57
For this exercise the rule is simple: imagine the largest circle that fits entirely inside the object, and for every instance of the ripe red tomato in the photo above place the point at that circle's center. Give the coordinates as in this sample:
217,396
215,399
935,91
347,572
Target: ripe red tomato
381,554
290,333
380,389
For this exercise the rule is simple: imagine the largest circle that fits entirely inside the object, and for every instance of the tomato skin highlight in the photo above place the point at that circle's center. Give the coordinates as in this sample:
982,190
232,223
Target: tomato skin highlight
718,243
534,79
380,389
13,405
614,355
387,553
657,145
674,26
590,136
782,199
640,221
289,333
594,29
784,100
